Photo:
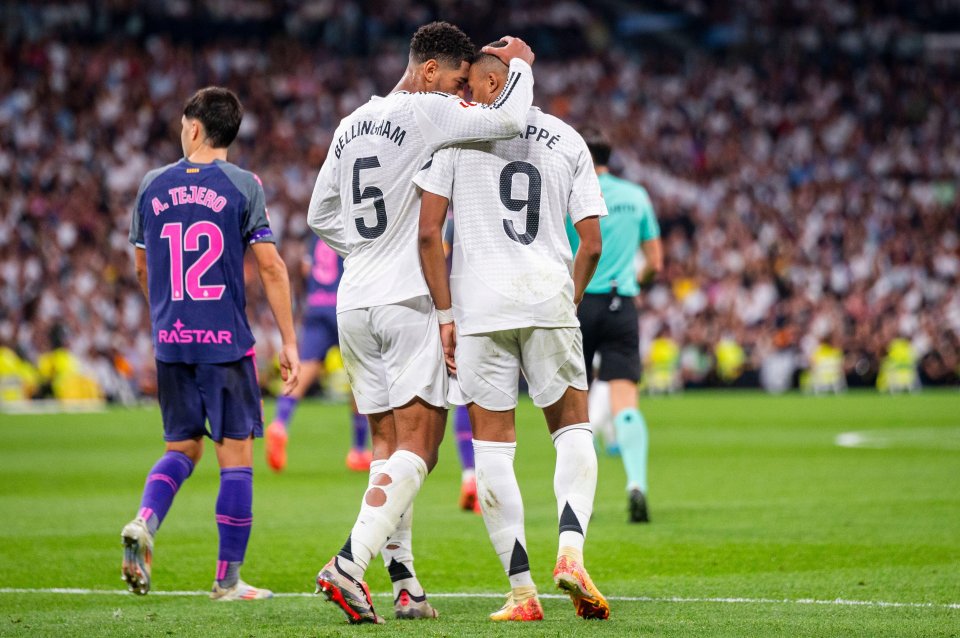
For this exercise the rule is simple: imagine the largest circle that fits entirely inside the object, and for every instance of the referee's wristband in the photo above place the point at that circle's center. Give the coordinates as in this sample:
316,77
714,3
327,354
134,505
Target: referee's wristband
445,316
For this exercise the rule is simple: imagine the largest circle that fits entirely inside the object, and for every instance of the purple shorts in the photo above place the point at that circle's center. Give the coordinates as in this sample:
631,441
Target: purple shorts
319,335
225,394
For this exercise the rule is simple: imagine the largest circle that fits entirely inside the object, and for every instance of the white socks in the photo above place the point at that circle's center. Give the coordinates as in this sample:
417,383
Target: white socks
398,552
502,508
574,482
389,496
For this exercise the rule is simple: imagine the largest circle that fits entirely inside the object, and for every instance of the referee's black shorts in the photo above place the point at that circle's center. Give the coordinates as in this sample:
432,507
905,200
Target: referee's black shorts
609,326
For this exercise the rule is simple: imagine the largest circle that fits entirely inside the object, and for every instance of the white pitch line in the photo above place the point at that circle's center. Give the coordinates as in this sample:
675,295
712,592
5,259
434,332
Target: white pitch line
945,438
841,602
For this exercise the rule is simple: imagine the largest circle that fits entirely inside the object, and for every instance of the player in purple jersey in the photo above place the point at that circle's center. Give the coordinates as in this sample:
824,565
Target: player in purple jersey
323,269
192,222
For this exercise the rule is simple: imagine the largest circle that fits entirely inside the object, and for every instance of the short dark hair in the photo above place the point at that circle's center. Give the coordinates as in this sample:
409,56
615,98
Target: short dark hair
443,42
220,112
485,58
598,143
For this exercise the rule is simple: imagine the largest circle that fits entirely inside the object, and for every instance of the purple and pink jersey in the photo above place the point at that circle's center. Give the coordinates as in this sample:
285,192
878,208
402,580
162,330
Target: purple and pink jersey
195,222
326,269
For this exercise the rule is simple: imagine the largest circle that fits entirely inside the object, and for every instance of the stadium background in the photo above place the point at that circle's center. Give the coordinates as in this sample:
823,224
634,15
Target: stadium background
802,157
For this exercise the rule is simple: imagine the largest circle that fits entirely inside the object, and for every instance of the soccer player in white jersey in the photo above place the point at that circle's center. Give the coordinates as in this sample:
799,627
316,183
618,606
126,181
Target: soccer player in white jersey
514,305
366,207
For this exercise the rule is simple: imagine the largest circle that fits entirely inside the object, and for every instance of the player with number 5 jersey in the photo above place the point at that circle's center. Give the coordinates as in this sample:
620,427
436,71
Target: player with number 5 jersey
365,206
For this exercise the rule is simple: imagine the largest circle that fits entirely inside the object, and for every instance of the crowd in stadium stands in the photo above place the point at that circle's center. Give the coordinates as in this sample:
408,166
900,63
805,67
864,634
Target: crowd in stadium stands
806,189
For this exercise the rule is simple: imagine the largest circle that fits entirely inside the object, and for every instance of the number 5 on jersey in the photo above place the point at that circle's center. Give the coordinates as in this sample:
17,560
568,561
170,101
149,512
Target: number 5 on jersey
369,232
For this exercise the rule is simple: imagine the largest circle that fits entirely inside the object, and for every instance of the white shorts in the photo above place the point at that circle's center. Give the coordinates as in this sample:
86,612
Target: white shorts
392,354
489,366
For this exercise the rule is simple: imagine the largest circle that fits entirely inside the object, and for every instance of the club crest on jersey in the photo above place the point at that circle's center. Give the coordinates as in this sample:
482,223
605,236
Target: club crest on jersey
182,334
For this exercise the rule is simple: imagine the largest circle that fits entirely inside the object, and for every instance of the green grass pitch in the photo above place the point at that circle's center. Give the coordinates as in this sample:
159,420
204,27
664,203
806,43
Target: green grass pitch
762,526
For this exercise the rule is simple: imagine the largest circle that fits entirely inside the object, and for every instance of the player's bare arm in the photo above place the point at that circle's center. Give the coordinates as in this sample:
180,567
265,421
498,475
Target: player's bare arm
276,285
140,263
433,211
588,255
653,260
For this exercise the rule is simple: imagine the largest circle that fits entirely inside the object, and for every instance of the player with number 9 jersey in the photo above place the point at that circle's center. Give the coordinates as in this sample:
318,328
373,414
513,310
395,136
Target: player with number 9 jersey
513,289
195,221
511,256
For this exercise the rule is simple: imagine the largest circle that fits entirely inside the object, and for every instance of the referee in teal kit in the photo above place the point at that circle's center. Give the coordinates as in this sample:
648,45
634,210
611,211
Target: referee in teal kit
608,316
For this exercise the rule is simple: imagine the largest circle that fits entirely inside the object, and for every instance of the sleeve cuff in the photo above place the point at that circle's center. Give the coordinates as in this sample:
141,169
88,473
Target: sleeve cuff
263,234
516,64
425,185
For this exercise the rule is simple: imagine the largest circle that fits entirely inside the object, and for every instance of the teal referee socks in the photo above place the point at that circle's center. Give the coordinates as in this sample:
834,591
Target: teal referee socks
634,444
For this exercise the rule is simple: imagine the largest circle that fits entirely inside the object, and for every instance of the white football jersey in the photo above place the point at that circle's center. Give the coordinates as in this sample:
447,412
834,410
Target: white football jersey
365,205
512,262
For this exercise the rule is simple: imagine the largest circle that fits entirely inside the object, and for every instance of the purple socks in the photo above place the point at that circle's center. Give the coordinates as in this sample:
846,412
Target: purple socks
285,408
234,518
234,508
166,477
360,427
461,425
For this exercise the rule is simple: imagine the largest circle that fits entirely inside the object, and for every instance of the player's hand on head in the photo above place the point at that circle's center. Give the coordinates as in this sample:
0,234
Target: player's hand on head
516,48
448,338
289,368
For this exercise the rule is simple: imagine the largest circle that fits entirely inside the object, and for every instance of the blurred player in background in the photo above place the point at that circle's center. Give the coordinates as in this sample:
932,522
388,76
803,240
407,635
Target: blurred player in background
365,206
192,223
515,307
323,269
608,316
461,417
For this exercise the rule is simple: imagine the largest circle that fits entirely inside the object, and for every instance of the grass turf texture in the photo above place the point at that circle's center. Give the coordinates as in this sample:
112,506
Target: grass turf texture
751,498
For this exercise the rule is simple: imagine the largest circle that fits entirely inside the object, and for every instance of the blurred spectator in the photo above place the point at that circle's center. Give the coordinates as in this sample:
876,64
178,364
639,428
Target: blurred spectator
661,370
898,371
825,374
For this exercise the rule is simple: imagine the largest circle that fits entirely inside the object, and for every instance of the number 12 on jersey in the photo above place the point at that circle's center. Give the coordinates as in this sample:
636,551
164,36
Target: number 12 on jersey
178,242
